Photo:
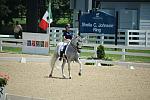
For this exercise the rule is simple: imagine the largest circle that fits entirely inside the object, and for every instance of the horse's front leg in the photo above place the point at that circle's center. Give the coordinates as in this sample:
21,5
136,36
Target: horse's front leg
69,69
62,66
80,63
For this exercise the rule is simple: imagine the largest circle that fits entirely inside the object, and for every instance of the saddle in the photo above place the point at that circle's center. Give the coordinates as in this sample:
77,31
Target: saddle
62,52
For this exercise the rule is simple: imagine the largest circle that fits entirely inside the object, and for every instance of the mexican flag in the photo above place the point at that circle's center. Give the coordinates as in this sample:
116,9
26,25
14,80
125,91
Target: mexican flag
46,20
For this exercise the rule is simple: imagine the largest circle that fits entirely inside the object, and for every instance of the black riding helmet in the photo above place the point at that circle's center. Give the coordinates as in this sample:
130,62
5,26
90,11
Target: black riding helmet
67,25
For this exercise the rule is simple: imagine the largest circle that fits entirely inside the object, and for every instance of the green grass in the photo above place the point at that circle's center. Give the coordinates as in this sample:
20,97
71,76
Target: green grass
138,59
12,50
112,49
89,48
129,58
139,51
114,57
128,50
89,54
86,54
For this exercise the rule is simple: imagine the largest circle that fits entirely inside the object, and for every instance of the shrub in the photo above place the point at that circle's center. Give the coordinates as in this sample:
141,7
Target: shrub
3,82
3,79
100,52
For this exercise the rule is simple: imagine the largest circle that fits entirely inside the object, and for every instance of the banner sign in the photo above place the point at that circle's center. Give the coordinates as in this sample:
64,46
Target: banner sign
97,22
35,43
2,93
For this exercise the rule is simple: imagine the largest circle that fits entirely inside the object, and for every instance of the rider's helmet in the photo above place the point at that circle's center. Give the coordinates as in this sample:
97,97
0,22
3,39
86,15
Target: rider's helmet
67,26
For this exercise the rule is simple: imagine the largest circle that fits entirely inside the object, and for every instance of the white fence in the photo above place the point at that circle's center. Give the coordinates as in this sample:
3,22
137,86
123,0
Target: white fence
124,37
123,51
56,34
7,42
6,36
127,39
12,43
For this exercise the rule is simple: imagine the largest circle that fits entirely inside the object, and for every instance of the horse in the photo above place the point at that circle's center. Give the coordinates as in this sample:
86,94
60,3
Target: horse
71,54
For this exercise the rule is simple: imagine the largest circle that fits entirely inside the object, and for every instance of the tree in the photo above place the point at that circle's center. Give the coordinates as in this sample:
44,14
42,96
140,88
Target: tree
4,10
61,9
10,9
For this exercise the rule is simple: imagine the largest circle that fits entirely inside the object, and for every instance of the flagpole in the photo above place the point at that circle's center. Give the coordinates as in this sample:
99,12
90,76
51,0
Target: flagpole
49,5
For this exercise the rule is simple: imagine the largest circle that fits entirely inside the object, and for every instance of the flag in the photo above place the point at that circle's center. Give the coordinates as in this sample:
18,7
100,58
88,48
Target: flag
47,19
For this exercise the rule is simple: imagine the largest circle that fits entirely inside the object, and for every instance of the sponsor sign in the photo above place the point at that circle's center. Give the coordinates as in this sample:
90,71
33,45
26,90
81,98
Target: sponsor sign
2,93
35,43
97,22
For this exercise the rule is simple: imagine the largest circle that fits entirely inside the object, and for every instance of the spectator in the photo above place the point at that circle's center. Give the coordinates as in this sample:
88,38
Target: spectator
18,31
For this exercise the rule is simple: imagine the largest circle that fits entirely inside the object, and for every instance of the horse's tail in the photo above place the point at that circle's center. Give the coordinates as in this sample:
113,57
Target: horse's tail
52,63
54,57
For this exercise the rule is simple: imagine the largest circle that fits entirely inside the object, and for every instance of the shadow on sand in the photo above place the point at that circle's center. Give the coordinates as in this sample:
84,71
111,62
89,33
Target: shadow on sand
55,77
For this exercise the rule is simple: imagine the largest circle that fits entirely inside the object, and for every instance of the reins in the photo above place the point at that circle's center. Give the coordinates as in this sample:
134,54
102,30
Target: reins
75,47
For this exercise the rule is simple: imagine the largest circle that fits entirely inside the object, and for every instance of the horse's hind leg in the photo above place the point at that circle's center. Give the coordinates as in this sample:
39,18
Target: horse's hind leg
54,58
62,66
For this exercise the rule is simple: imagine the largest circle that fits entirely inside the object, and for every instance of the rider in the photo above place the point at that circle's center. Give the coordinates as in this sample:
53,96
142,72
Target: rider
67,36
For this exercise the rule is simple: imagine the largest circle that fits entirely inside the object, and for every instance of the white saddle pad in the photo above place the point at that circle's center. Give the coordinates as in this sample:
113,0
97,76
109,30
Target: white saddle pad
61,46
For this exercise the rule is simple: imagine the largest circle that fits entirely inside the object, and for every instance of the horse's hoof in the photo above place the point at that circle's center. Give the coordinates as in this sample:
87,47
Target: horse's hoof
64,76
79,74
69,77
50,75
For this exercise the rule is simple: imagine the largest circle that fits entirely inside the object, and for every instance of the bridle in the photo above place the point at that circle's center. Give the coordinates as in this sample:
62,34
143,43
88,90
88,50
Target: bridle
75,47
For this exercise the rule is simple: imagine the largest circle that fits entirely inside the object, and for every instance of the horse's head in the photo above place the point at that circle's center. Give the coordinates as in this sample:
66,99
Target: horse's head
77,42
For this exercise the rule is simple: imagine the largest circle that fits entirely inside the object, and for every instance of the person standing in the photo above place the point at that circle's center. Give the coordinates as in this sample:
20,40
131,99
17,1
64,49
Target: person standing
18,31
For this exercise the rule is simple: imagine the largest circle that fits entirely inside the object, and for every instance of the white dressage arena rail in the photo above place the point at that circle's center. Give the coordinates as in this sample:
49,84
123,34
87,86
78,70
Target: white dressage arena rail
122,52
18,43
19,97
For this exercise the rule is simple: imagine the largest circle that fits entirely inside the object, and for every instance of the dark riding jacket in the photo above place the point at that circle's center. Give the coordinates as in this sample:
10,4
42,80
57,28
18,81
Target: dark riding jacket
68,35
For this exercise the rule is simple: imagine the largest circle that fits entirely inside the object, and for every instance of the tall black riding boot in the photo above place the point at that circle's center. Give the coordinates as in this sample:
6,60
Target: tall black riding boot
61,55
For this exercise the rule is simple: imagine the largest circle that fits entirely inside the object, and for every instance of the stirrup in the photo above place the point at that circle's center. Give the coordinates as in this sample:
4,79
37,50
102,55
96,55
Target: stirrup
79,51
60,58
61,55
